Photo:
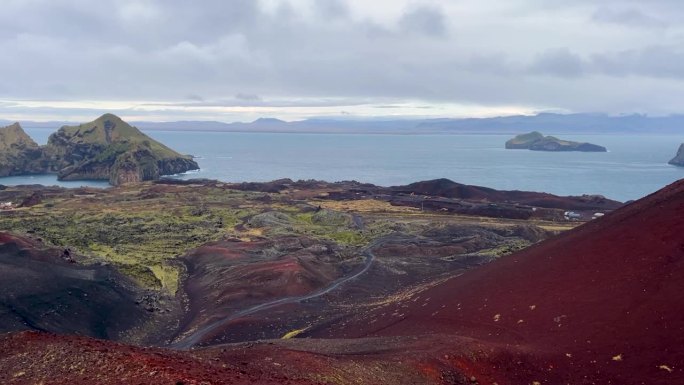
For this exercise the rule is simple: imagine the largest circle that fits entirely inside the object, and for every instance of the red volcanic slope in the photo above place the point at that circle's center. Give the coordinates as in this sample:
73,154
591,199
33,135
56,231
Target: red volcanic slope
39,358
602,304
227,276
30,247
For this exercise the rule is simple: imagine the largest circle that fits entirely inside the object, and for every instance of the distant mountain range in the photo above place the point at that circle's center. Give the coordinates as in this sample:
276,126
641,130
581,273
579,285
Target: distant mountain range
546,122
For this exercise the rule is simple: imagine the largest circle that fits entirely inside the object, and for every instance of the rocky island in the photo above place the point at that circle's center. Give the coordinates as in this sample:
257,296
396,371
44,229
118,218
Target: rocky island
536,141
18,152
678,160
105,149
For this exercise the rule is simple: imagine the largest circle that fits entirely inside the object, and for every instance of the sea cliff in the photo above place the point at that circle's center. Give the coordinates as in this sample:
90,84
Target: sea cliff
105,149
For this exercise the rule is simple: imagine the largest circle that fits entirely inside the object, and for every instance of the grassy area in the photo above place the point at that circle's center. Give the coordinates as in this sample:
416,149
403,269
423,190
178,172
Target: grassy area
12,135
121,133
139,236
332,225
365,206
142,229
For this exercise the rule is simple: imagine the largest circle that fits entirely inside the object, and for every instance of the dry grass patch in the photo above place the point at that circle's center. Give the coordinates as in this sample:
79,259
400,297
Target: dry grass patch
364,206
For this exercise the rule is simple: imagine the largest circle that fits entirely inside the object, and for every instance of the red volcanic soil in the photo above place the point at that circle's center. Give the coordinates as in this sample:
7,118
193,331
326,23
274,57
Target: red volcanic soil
602,304
227,276
39,358
230,271
29,247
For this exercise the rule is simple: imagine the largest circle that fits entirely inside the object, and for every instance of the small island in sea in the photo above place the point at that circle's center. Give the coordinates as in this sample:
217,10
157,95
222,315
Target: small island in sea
536,141
105,149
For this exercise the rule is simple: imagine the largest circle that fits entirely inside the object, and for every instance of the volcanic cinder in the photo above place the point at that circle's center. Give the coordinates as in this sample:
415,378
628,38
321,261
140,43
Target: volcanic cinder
603,303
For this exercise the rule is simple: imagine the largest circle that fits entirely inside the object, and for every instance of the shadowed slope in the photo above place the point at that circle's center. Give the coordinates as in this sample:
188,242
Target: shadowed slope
43,289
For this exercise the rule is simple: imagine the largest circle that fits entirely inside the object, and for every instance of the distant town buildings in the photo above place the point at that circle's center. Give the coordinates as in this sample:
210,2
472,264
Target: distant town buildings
572,216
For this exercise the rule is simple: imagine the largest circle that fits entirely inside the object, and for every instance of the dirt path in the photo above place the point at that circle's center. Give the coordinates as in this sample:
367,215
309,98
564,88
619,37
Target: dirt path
195,337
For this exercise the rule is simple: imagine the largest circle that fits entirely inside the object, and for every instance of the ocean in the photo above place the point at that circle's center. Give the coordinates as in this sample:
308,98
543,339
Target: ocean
635,165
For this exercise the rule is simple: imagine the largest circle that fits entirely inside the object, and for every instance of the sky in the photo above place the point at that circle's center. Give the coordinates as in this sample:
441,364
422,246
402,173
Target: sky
238,60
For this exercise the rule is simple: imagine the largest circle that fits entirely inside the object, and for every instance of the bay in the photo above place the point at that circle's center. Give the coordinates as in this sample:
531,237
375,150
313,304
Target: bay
635,165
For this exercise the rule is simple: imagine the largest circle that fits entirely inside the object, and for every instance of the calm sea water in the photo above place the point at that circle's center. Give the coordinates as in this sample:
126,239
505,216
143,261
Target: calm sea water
634,166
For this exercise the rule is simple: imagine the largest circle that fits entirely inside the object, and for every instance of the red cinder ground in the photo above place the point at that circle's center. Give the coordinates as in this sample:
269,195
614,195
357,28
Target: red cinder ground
38,358
602,304
225,277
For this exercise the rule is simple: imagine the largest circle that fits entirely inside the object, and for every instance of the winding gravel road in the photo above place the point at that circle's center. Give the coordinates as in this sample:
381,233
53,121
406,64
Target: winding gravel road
197,336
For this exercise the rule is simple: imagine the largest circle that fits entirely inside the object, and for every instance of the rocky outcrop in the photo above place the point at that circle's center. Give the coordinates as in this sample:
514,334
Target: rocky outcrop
111,149
19,154
171,166
678,160
135,166
536,141
105,149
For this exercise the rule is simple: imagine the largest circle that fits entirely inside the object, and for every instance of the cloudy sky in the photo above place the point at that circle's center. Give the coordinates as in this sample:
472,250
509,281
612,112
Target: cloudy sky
231,60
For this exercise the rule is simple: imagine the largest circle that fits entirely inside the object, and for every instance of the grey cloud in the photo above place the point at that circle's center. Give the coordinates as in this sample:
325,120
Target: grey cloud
425,20
142,24
558,62
652,61
494,63
229,50
248,97
332,9
280,103
628,17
